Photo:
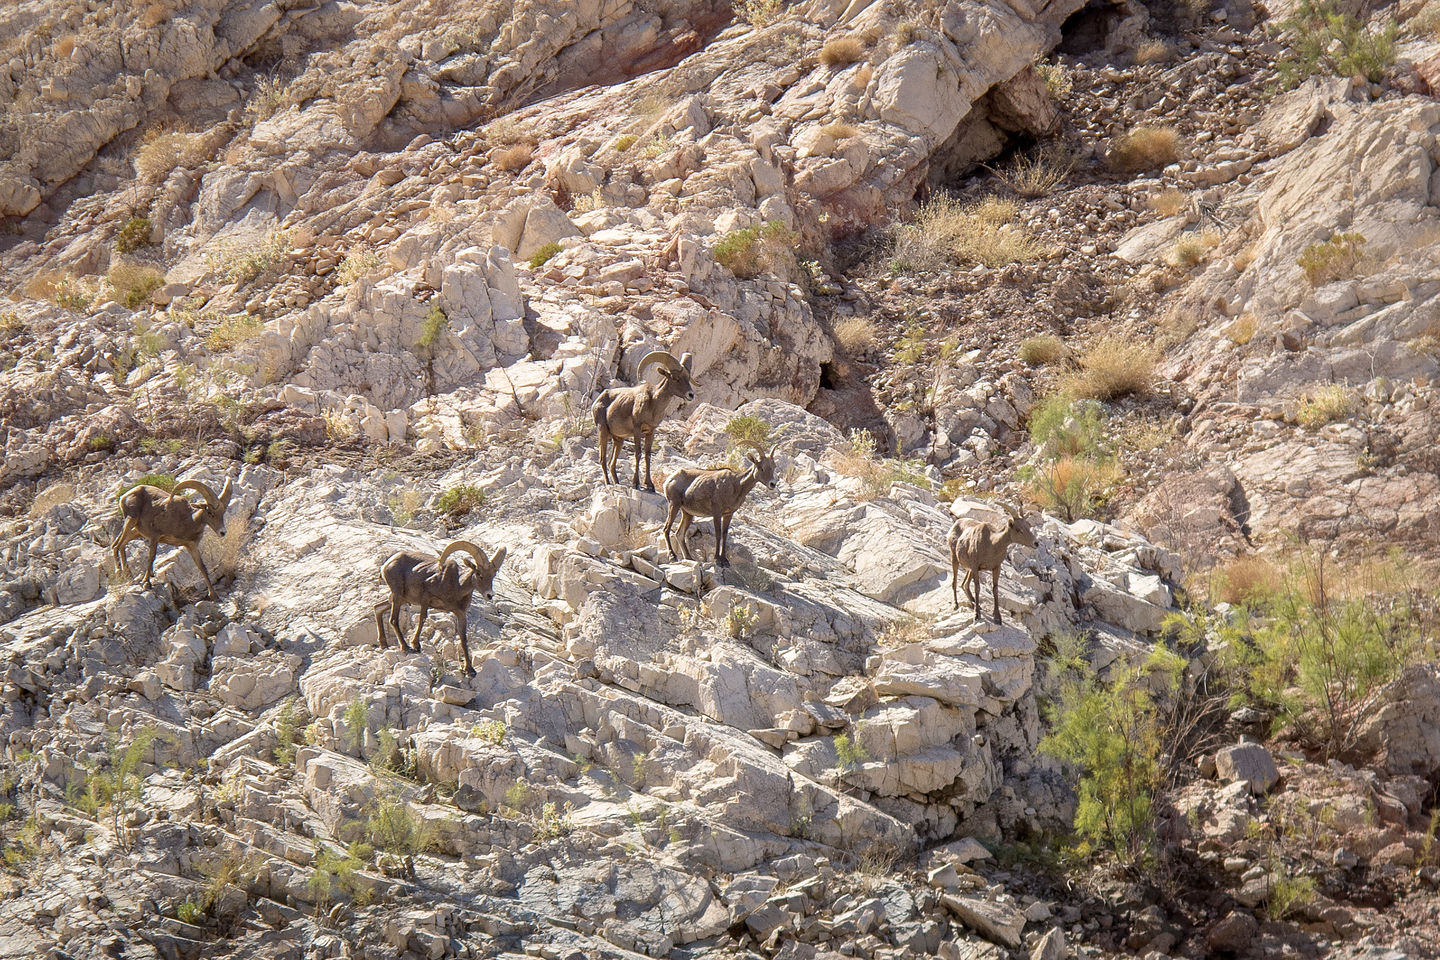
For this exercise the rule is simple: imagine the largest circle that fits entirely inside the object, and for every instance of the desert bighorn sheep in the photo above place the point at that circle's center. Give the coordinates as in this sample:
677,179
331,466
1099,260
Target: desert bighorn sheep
438,583
977,546
164,516
715,492
624,412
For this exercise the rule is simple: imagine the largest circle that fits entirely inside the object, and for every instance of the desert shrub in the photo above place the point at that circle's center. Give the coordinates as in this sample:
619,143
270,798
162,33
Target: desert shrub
758,13
1042,351
1335,259
287,724
1073,487
1144,148
1152,51
748,431
432,327
1113,368
1324,405
491,731
460,501
134,282
115,783
840,130
1076,466
1061,426
849,751
842,51
752,251
946,230
163,150
1425,23
1247,580
233,331
1115,733
61,288
1193,249
512,158
625,142
133,235
335,873
392,826
1242,330
1057,79
190,912
1321,39
1168,203
164,481
856,335
356,264
1039,172
240,263
1317,651
875,473
543,255
270,96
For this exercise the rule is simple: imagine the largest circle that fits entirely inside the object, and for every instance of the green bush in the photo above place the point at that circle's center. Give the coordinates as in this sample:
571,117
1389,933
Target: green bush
233,331
1335,259
1322,39
133,235
747,431
543,255
459,501
1078,467
432,327
1115,733
190,912
749,252
165,481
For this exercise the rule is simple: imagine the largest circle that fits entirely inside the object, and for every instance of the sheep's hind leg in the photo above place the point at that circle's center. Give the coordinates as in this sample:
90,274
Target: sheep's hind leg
150,563
122,562
195,555
995,589
637,461
649,444
420,625
460,624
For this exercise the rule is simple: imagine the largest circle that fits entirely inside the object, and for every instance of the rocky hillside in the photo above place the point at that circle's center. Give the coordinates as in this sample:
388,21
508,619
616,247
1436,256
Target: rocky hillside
373,262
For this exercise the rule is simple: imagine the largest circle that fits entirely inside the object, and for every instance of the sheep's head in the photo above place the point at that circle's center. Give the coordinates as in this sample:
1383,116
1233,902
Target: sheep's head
478,570
674,374
1020,532
764,464
212,514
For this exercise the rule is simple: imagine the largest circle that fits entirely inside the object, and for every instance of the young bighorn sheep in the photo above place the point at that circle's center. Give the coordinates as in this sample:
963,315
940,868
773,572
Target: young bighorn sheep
624,412
717,493
165,516
978,546
438,583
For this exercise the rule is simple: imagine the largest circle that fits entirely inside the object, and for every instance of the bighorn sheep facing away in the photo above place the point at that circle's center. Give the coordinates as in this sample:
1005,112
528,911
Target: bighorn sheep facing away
439,583
164,516
624,412
978,546
716,493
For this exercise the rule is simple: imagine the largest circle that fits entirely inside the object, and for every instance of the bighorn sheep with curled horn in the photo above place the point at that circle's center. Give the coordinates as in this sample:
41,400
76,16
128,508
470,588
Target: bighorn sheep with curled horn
977,546
624,412
715,492
165,516
439,583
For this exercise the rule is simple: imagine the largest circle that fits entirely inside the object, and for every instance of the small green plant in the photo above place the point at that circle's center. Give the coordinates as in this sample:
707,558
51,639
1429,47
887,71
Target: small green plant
554,822
190,912
240,263
432,327
392,826
133,283
10,323
1324,40
849,751
758,13
517,797
741,621
543,255
625,142
491,731
1324,405
1074,487
1335,259
460,501
1057,79
286,726
752,251
115,783
1042,351
405,504
747,431
334,874
134,235
101,441
1077,466
356,719
1288,893
234,330
357,263
165,481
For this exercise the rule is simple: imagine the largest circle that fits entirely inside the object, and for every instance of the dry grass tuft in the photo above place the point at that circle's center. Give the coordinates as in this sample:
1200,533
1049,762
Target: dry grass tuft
154,15
842,51
1242,329
946,230
1193,249
1113,368
1057,79
164,150
1246,580
514,158
62,288
65,47
840,130
134,282
1168,203
1039,172
1335,259
1144,148
1042,351
1152,51
856,335
1326,405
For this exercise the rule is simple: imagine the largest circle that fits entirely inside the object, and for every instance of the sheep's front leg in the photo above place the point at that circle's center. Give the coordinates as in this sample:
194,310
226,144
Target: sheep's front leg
995,589
720,559
418,627
637,458
649,444
460,624
127,534
955,580
150,564
195,555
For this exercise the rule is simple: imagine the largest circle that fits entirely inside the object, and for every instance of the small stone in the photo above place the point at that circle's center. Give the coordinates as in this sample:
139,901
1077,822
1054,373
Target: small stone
1250,763
1234,933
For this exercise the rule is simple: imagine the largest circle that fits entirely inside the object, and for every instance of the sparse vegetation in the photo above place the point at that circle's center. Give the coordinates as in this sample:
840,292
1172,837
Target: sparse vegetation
1112,368
849,751
856,335
114,783
1144,148
287,723
459,501
1323,39
1077,466
747,431
840,130
432,327
236,262
1152,51
1242,329
1042,351
758,13
357,263
164,150
625,142
842,51
875,473
61,288
1248,580
754,250
1057,79
1193,249
270,96
1039,172
512,158
234,330
1169,202
543,255
491,731
134,234
133,283
164,481
1324,405
1335,259
946,230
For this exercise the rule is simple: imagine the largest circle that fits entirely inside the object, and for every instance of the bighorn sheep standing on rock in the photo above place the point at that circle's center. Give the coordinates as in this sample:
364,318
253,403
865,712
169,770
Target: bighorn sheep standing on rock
439,583
977,546
624,412
716,493
164,516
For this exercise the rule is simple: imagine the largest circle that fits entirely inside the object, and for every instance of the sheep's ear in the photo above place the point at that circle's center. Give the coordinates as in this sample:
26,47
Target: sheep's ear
752,458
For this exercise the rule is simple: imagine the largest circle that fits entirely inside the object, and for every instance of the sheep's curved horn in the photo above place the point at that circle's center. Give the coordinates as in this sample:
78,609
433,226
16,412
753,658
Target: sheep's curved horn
687,360
204,490
225,493
661,357
465,546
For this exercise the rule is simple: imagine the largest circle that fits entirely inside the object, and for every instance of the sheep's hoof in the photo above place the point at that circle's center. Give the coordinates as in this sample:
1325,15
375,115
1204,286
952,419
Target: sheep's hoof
469,671
650,487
